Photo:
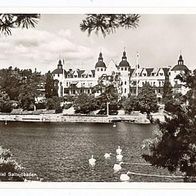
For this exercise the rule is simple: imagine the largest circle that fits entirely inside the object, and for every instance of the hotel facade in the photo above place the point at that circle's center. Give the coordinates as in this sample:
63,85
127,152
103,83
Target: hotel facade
130,78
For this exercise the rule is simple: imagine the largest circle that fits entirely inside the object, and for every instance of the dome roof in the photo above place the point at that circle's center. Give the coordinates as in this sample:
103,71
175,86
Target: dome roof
59,69
124,62
180,66
100,62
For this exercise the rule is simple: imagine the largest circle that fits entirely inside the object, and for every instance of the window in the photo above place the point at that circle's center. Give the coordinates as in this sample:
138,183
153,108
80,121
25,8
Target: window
74,92
97,69
125,90
101,69
154,83
125,82
161,74
159,90
125,68
121,68
152,74
58,75
88,91
144,74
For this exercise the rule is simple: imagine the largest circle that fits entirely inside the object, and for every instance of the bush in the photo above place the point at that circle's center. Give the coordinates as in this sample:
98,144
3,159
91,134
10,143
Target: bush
9,166
41,105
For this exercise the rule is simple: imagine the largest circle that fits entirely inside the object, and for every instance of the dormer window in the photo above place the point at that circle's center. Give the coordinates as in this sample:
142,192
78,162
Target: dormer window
161,74
144,74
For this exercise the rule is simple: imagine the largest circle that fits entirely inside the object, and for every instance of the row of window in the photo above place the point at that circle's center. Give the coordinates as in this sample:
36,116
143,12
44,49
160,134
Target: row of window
159,90
145,74
161,83
101,69
73,91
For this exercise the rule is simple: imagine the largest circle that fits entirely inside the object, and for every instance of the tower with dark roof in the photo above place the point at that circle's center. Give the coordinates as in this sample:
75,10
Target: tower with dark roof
124,64
59,75
180,68
100,67
124,69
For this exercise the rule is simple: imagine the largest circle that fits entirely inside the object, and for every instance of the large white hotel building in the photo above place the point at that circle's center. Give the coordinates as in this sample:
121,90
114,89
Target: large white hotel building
132,78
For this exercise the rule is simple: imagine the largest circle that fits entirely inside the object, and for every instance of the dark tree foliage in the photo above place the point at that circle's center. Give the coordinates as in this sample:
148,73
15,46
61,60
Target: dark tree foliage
147,99
50,88
85,104
21,86
108,23
29,90
54,103
174,146
131,104
109,91
145,102
168,98
5,103
11,21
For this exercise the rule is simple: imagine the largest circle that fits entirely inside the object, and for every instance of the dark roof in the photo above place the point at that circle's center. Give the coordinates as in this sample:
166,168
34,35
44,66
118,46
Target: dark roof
80,72
93,72
131,71
124,62
58,71
180,68
149,71
166,71
100,62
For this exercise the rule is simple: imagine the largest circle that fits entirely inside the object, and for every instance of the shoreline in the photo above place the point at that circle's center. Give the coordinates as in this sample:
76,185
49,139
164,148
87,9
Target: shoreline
46,118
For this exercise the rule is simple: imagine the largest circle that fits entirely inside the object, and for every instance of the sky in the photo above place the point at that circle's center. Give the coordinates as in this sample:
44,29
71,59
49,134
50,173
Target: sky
159,39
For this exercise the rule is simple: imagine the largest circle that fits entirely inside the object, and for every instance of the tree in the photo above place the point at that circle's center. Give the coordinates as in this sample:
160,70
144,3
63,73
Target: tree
50,88
28,91
8,165
54,103
109,88
167,91
174,145
131,104
11,21
85,104
147,100
168,99
5,103
108,23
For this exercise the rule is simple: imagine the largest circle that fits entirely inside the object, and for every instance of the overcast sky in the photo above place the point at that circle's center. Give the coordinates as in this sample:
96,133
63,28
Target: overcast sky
159,40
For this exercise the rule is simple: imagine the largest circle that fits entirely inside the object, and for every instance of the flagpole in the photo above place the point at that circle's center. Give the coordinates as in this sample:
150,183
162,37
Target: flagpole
137,66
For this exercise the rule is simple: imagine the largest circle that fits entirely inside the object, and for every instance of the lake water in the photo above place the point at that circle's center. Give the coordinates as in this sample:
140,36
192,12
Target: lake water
60,151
